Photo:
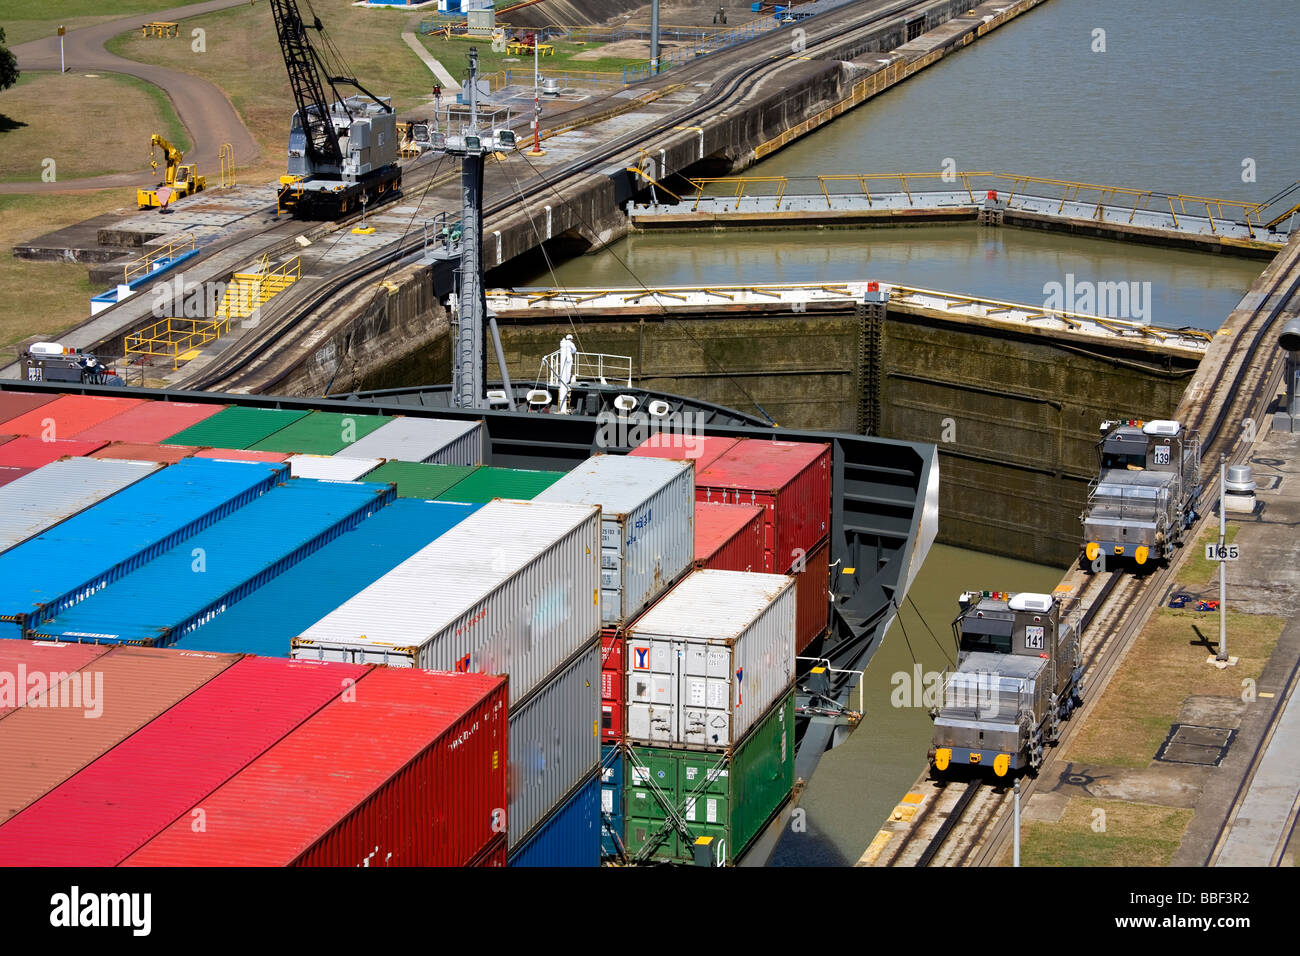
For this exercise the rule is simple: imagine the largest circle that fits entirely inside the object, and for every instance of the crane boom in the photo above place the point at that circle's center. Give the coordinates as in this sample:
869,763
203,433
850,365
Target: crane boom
322,143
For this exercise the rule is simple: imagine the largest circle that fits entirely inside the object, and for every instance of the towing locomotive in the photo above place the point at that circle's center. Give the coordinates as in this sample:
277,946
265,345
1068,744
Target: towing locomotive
1144,499
1019,676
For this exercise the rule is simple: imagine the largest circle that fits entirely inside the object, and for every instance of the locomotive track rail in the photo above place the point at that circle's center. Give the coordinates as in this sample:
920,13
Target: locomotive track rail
1119,604
268,355
1243,386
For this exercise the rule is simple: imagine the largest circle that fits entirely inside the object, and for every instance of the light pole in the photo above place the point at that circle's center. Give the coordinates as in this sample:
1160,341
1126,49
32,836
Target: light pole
1015,861
1223,564
654,36
537,105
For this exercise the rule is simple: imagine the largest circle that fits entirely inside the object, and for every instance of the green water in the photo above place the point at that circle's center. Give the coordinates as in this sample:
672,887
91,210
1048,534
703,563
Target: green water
857,784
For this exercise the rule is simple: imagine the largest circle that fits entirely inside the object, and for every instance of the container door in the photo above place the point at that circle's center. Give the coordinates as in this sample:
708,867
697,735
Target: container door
704,789
611,571
706,695
653,690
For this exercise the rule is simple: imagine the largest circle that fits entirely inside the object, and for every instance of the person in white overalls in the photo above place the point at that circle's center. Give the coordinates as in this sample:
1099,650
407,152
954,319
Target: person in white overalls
568,356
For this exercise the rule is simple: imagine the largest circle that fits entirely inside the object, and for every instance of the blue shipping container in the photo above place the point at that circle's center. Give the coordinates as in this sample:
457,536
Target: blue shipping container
200,578
71,561
267,621
570,836
611,801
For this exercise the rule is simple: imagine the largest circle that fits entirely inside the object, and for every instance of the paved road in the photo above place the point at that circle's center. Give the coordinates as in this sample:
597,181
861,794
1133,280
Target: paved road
204,109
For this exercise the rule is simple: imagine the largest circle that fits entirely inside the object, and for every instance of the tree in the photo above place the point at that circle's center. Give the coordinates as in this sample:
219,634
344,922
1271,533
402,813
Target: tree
8,64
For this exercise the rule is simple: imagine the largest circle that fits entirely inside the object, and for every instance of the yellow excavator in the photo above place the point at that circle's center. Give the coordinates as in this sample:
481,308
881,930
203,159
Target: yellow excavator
180,180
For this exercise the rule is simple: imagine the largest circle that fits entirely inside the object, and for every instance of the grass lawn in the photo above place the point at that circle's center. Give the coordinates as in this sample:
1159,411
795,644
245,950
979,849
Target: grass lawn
121,132
1162,669
44,297
1197,572
243,58
25,20
1135,834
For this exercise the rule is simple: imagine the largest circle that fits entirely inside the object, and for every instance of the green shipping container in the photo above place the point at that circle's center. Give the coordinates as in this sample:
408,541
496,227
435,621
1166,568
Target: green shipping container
236,427
488,483
419,480
322,433
729,797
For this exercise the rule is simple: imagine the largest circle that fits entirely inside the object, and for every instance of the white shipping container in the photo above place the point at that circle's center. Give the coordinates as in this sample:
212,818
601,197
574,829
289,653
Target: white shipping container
554,743
647,525
438,440
513,589
708,661
331,467
37,501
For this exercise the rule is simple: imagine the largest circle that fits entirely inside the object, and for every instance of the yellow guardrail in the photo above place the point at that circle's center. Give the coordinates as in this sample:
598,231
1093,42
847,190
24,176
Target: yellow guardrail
144,265
973,183
179,339
175,338
249,291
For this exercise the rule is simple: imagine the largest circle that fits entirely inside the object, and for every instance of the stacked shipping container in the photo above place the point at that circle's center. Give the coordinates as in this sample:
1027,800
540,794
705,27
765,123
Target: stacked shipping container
118,803
402,769
211,759
46,575
61,489
792,483
647,538
710,720
215,568
435,440
518,593
267,621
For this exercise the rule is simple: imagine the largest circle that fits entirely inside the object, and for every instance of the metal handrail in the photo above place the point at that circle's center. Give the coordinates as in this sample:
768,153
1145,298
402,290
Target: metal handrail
1249,214
590,362
169,250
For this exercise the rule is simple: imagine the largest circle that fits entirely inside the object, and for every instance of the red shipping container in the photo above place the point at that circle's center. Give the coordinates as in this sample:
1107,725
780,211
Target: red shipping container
113,807
68,415
791,480
728,537
612,684
152,421
704,450
10,473
812,597
122,690
411,772
21,662
142,451
29,452
242,454
14,404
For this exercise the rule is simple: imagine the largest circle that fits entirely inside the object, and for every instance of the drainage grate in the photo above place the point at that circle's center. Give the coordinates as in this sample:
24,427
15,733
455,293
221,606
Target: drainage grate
1189,743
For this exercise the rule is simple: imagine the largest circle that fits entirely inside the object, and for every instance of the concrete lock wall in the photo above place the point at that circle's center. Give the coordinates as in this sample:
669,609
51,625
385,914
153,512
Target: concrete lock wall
1016,422
1015,416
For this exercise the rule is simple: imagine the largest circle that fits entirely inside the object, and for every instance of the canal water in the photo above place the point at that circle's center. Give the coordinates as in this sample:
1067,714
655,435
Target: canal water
1191,96
1183,94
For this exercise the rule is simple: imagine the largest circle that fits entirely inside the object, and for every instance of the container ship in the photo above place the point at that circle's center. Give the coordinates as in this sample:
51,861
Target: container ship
561,651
